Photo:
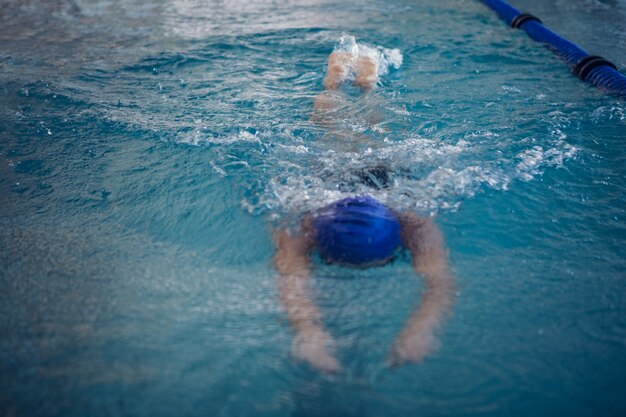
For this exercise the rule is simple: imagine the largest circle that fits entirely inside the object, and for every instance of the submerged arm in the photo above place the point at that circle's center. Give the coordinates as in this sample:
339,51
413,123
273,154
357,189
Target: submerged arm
311,342
424,241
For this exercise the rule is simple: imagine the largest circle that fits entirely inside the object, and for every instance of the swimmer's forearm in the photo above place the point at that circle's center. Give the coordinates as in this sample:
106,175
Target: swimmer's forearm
435,306
424,240
430,259
303,314
417,339
293,265
311,343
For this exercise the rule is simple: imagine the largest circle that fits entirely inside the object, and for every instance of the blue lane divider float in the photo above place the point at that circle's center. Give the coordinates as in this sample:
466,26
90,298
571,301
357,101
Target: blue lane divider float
590,68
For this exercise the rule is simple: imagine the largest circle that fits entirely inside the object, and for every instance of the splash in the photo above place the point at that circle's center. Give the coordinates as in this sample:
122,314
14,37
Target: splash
294,164
426,175
385,58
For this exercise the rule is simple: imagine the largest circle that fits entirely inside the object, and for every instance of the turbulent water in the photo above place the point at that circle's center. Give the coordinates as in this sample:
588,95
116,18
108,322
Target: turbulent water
148,149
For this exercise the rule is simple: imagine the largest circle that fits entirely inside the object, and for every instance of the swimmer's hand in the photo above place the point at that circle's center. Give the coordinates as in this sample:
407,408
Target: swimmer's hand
315,347
412,348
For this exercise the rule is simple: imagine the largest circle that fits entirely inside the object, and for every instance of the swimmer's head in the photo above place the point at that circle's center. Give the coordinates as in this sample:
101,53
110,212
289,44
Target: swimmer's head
357,231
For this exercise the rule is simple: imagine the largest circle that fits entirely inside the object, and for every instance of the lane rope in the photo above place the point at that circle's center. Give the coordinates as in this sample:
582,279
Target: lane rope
590,68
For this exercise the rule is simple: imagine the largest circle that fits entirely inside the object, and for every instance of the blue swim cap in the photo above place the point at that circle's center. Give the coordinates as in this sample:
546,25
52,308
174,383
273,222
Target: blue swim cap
356,231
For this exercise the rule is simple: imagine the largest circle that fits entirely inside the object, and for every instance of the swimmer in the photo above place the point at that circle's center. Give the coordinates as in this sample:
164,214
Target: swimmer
360,232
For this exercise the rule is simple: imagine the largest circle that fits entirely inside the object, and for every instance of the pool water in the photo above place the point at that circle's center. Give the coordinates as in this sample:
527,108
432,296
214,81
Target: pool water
148,150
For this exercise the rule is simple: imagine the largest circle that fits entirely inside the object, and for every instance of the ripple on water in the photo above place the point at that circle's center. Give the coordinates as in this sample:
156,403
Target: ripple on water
606,326
479,385
154,123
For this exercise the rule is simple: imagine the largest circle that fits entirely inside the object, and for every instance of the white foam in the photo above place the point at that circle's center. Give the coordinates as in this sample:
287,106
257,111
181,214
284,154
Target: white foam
385,58
430,174
200,137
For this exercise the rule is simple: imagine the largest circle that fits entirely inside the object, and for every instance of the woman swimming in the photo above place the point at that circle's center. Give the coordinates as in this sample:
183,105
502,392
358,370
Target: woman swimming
359,232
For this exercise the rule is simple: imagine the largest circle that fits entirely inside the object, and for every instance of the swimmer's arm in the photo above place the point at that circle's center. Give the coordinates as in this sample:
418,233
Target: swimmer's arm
311,341
425,242
292,262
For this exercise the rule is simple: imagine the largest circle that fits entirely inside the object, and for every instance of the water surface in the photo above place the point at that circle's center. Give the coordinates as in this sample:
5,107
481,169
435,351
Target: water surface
146,150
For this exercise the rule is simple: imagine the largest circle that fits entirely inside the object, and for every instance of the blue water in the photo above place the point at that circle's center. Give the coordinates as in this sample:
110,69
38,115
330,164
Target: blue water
147,149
